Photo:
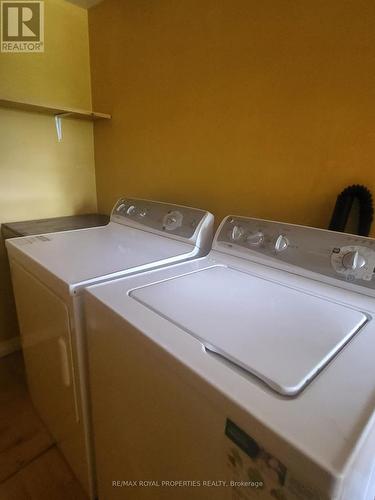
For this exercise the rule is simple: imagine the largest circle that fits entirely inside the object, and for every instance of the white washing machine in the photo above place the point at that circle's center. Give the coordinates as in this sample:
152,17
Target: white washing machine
49,273
248,373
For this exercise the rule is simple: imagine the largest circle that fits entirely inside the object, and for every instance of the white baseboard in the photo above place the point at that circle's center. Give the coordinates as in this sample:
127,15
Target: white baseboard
9,346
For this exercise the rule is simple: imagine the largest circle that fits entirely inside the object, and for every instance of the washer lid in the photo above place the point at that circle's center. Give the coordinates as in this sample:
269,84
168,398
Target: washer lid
282,335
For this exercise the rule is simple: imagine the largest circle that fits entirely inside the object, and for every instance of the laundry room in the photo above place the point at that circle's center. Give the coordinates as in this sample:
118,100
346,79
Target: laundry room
187,252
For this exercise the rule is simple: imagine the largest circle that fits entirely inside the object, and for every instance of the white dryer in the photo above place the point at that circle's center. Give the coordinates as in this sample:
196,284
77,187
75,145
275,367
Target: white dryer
49,273
248,373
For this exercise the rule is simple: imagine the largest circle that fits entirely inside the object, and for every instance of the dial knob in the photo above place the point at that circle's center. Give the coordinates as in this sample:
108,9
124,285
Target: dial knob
353,260
255,239
172,220
132,210
237,233
281,243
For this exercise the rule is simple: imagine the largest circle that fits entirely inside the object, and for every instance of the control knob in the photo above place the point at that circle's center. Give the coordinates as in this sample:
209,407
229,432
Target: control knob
281,243
172,220
255,239
353,260
132,210
237,233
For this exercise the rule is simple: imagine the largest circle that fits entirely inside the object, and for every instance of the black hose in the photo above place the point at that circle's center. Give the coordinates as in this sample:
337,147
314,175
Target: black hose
344,204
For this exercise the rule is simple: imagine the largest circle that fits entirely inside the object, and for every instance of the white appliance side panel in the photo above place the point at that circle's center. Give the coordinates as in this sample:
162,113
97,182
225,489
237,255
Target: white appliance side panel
359,481
47,350
281,335
75,256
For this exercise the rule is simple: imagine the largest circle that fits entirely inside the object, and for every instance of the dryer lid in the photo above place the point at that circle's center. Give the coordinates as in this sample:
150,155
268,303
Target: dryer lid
282,335
86,255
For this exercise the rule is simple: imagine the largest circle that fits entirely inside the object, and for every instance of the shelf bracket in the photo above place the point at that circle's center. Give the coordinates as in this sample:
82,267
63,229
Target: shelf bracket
58,124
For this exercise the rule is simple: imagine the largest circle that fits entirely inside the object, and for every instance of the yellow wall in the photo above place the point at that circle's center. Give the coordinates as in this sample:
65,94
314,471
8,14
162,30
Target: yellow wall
40,177
262,108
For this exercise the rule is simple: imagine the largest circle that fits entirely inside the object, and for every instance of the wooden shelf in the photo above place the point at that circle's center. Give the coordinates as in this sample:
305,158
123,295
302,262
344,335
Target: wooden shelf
36,108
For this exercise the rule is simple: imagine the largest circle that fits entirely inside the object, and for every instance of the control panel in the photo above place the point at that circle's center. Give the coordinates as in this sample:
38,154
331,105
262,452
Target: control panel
345,257
164,217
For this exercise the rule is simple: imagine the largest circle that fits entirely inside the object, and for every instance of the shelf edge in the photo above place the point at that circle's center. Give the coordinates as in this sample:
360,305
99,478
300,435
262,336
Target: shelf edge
36,108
